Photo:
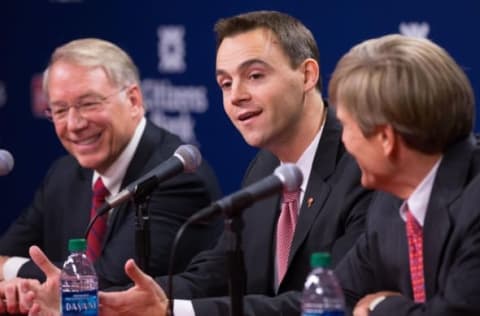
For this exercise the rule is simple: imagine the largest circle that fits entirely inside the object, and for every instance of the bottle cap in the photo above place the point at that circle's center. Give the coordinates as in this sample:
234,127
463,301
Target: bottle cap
320,260
77,244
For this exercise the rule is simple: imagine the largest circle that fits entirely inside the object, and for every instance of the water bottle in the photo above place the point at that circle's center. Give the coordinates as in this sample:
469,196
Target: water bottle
322,294
78,282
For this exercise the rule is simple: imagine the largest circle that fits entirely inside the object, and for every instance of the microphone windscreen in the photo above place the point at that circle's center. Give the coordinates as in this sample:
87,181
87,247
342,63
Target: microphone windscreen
190,157
6,162
290,175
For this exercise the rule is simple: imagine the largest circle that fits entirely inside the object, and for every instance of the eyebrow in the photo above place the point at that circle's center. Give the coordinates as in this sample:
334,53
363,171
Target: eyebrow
244,65
85,95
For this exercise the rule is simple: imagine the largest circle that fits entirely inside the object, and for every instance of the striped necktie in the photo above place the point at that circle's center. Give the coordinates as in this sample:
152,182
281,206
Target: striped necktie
97,232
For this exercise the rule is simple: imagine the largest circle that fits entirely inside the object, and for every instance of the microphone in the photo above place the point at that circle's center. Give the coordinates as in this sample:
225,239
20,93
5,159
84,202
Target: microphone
187,158
287,177
6,162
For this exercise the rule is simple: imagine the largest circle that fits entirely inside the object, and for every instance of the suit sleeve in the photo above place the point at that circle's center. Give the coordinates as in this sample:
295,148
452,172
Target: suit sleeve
28,229
355,272
355,201
285,304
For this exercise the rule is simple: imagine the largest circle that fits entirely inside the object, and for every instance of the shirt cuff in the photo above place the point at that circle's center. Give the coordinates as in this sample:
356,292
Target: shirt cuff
183,308
12,266
375,302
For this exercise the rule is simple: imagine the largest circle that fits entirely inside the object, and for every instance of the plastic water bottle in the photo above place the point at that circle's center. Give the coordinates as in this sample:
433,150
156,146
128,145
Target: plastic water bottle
322,294
78,282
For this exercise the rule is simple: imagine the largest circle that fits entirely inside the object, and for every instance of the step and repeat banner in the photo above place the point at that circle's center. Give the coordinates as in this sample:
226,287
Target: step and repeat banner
173,44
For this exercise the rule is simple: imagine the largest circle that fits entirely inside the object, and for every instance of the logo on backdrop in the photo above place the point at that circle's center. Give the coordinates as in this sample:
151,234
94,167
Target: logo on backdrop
171,49
3,94
415,29
170,105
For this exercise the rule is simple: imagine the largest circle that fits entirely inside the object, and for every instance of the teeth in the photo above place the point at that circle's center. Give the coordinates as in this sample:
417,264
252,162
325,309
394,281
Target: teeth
87,141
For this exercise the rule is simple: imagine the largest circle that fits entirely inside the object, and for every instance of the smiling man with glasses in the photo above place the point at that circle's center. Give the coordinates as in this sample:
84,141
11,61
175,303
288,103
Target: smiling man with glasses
85,105
96,106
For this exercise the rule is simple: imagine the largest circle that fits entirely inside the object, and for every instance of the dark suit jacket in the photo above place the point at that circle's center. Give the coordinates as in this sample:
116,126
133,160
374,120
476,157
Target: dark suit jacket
451,246
61,210
332,223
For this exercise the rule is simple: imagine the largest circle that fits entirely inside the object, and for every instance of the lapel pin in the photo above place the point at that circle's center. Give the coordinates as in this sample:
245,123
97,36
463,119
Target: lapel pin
310,201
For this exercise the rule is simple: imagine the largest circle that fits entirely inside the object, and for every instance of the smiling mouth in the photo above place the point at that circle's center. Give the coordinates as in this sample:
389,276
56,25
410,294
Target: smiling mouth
248,115
86,141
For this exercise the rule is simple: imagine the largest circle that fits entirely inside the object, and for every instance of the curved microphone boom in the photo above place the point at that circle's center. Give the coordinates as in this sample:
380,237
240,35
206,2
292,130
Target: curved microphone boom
187,158
286,177
6,162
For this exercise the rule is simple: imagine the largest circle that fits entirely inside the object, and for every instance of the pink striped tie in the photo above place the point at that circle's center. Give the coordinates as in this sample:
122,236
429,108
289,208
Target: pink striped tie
285,230
97,233
415,253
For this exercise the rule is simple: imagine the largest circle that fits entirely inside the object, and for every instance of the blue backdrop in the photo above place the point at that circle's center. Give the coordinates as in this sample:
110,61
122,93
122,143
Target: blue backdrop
173,44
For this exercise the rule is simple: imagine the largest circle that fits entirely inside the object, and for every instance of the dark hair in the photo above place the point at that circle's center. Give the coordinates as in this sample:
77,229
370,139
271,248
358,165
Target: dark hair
295,39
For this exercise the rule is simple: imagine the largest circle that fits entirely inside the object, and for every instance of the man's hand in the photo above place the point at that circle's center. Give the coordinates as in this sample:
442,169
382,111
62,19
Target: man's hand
362,307
13,299
146,297
3,259
43,299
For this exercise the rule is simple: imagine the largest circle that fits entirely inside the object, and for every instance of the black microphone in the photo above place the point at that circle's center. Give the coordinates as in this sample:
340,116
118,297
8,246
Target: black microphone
187,158
6,162
287,177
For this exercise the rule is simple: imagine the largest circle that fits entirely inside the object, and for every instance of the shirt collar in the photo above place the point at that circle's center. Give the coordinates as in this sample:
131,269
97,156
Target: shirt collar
418,200
305,162
113,176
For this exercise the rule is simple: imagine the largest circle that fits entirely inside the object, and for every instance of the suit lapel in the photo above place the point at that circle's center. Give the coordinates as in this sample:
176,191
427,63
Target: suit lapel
135,168
317,190
449,183
82,200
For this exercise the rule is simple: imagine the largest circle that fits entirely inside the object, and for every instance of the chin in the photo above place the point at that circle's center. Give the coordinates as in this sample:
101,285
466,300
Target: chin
254,142
88,163
367,183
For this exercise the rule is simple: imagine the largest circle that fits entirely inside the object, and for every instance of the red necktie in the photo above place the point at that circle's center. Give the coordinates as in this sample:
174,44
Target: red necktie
285,229
415,253
97,232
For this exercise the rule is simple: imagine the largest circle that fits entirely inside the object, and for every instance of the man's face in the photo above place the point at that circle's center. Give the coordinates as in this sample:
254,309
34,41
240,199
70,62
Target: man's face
96,136
262,95
367,151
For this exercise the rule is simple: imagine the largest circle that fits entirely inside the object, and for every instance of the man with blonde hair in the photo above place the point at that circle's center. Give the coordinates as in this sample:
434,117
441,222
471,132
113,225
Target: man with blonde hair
268,71
96,106
407,111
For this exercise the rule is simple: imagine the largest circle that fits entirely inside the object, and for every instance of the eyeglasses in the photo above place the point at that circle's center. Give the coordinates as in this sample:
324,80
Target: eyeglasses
85,106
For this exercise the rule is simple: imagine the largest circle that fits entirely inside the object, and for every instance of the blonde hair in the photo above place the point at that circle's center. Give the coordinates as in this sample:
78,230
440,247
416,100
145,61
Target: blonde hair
409,83
92,52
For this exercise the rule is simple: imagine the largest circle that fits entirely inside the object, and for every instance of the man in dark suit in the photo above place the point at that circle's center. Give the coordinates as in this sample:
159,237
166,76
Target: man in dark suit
407,111
267,68
96,106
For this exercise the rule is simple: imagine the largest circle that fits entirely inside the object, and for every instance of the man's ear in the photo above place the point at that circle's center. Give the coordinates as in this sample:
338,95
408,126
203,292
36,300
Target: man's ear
388,139
311,73
135,99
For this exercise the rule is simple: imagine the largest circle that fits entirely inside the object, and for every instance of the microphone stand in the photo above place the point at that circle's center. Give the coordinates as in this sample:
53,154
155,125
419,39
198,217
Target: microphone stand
235,263
142,232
